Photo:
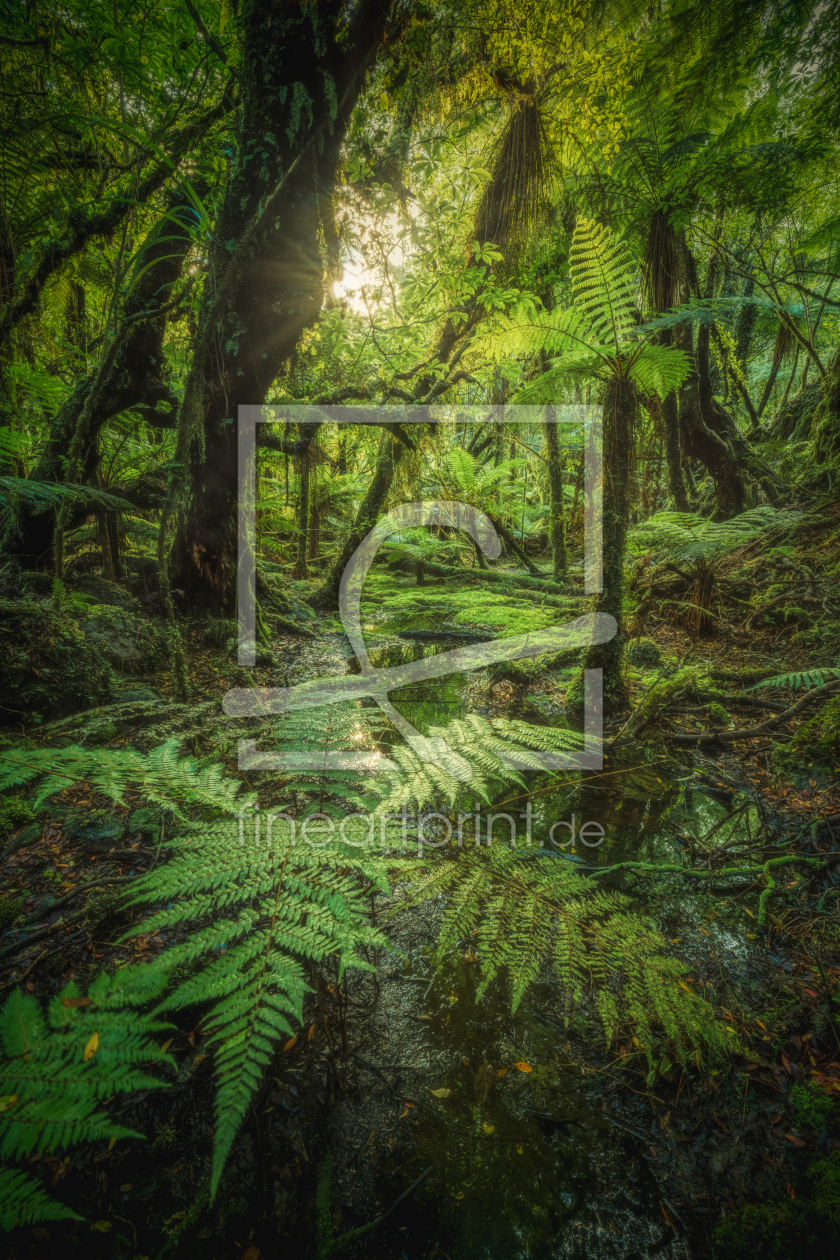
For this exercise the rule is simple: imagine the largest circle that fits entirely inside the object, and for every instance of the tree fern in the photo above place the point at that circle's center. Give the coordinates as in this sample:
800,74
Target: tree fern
686,536
57,1071
598,336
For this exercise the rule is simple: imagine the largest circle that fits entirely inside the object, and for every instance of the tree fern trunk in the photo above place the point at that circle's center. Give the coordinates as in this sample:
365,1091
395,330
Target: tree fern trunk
620,413
557,531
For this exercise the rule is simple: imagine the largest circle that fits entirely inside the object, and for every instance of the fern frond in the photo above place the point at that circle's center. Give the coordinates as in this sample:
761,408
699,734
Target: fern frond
660,369
601,268
24,1201
58,1070
804,679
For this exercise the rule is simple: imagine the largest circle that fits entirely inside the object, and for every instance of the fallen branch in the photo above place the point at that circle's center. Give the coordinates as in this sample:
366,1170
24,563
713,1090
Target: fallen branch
750,732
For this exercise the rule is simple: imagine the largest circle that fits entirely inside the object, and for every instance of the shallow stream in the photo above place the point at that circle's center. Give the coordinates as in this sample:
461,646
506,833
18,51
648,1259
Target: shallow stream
529,1149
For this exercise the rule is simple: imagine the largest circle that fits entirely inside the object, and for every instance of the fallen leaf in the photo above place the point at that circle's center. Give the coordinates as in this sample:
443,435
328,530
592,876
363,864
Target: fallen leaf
311,1033
125,1189
408,1104
404,1114
523,1067
79,1001
167,1044
502,1072
289,1044
90,1050
667,1218
39,1232
252,1253
487,1127
440,1093
102,1226
791,1137
688,990
199,1058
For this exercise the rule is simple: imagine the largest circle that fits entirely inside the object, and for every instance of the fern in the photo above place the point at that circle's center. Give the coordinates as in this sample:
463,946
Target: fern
42,496
686,536
494,751
806,679
258,905
165,779
56,1073
528,909
598,336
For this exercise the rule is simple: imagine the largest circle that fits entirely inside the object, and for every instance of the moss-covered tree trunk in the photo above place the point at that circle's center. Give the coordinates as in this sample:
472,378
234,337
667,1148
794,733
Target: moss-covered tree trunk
557,529
301,70
620,404
391,452
301,568
129,376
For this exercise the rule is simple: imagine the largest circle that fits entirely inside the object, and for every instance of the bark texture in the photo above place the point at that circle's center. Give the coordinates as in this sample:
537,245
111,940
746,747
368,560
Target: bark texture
301,73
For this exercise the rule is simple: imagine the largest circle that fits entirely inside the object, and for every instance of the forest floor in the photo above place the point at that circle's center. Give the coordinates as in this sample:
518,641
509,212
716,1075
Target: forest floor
575,1153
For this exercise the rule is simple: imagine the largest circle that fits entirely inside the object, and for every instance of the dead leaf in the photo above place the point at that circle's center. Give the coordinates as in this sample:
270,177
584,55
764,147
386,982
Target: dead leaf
102,1226
251,1253
311,1033
440,1093
523,1067
791,1137
502,1072
667,1217
404,1114
167,1044
289,1044
90,1050
79,1001
487,1127
39,1232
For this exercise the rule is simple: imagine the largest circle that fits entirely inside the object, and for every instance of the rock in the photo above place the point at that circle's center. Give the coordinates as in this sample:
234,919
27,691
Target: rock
121,638
146,821
95,837
105,592
644,652
48,667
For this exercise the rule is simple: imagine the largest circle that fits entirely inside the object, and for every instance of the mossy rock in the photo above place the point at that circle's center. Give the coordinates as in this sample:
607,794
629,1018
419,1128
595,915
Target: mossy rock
643,653
14,814
48,667
126,641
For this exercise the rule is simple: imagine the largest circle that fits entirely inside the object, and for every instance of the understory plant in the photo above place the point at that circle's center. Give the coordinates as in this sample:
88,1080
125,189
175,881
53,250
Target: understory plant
266,894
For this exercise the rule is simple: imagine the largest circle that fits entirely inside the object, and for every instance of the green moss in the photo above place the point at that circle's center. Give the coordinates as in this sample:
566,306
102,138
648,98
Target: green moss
643,652
14,814
468,605
718,715
10,909
811,1107
786,1229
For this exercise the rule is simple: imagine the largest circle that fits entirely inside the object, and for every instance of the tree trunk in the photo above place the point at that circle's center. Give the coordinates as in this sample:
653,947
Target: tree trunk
301,569
301,72
128,376
620,408
391,452
557,507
